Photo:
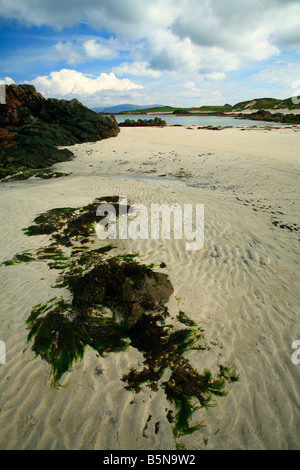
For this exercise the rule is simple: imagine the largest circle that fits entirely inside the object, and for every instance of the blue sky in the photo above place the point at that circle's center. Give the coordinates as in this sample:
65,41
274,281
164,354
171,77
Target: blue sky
175,52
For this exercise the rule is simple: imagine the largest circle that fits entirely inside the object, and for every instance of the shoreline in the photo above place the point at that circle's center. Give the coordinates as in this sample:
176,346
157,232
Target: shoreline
241,288
280,115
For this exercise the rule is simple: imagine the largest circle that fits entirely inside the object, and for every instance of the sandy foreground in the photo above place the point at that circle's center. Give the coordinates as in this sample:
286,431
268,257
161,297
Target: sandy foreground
242,288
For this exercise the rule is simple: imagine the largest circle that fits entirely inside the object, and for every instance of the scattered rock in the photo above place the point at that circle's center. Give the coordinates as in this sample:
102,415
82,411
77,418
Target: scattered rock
157,122
263,115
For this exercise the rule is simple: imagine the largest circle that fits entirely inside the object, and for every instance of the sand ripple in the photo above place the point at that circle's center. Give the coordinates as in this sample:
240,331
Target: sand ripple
241,288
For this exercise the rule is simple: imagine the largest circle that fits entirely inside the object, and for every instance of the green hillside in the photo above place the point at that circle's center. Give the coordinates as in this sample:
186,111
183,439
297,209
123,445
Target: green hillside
170,109
212,109
164,109
265,103
256,104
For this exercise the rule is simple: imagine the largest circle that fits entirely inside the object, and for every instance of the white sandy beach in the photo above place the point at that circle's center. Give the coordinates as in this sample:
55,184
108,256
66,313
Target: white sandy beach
242,288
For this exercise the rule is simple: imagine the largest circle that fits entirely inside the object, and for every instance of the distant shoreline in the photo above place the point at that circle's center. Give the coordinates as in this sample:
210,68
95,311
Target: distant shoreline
285,116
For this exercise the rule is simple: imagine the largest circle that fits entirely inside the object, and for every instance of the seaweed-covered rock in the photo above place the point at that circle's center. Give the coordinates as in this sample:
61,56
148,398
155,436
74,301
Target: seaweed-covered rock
131,288
31,128
153,291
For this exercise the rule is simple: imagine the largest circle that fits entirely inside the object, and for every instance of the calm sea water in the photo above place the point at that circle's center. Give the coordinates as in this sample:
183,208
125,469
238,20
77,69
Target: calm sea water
173,120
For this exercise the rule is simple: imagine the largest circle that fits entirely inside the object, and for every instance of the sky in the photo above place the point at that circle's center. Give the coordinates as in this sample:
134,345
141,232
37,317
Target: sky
180,53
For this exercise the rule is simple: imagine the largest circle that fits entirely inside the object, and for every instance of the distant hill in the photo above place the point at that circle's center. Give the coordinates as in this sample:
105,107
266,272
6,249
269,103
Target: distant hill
170,109
124,107
265,103
256,104
152,109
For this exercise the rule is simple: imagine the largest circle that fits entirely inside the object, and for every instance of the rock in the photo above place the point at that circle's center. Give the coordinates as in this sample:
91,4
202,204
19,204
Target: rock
263,115
157,122
152,293
32,127
130,288
154,290
182,112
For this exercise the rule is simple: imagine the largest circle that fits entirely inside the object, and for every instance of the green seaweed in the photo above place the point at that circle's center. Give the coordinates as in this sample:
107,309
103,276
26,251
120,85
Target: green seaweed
60,330
25,257
185,384
39,309
183,417
44,173
183,318
229,373
61,341
57,342
50,221
51,253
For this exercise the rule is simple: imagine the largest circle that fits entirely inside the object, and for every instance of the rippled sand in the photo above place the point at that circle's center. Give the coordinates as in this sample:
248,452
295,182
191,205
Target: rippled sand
242,287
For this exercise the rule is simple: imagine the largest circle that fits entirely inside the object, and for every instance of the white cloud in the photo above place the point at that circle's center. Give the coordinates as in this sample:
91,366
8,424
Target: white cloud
72,83
95,50
280,75
169,41
215,76
6,81
77,52
170,53
67,52
137,69
230,25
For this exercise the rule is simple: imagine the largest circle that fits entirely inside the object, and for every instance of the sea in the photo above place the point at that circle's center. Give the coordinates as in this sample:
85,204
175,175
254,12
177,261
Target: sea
201,121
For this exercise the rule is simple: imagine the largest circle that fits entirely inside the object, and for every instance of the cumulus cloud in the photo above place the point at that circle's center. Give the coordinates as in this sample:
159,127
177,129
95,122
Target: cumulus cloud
6,81
136,69
70,82
80,51
209,23
68,52
170,53
168,38
95,50
235,27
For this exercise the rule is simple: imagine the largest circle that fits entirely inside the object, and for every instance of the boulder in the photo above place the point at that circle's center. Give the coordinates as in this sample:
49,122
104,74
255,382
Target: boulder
130,289
32,127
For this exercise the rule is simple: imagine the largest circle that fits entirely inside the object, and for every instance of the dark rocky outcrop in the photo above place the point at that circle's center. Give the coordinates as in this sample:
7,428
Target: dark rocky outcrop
182,112
263,115
131,288
157,122
31,128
